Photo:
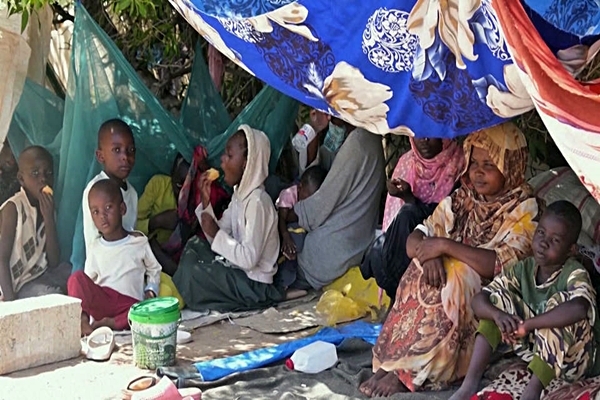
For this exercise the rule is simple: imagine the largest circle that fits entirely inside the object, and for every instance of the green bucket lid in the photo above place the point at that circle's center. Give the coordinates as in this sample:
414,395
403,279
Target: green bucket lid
160,310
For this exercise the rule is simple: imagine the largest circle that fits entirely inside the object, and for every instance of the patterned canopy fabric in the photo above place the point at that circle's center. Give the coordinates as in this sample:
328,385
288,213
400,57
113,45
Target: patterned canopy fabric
428,68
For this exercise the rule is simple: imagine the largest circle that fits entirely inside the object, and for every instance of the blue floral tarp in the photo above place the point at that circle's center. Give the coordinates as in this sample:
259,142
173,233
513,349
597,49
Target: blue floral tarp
428,68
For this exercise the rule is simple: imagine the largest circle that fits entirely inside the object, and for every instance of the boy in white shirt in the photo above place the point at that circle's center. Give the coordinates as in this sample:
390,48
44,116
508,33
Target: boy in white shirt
120,269
116,152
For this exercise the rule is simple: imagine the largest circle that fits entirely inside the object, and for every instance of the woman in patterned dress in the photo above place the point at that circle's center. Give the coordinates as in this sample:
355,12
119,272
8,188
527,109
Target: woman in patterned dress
423,177
483,227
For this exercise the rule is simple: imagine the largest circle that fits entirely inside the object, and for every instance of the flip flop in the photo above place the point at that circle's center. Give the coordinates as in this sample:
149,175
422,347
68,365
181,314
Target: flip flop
165,389
139,384
100,344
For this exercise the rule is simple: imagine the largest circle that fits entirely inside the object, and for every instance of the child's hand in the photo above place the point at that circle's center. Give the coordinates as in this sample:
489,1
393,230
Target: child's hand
522,330
288,247
149,294
165,220
507,323
209,225
46,206
204,185
509,338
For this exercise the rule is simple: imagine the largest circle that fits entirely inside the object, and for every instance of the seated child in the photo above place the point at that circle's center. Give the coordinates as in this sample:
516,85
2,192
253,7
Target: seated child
292,236
116,153
157,207
29,250
120,269
9,184
544,307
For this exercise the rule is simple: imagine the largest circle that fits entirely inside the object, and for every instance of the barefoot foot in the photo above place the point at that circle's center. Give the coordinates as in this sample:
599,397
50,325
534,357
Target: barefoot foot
367,386
292,294
465,392
388,385
533,390
86,328
109,322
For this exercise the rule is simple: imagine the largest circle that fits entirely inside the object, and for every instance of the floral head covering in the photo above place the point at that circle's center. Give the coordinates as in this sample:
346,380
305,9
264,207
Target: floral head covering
507,148
476,220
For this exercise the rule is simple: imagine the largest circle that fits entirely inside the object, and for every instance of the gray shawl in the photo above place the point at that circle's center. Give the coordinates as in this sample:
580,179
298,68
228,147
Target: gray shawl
341,216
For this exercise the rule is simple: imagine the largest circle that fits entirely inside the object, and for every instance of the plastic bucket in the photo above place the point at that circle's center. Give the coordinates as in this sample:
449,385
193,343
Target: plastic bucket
154,325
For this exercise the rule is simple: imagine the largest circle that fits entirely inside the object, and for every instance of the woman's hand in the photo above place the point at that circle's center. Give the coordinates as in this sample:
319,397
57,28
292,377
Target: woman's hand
430,248
209,225
46,202
204,184
397,187
434,272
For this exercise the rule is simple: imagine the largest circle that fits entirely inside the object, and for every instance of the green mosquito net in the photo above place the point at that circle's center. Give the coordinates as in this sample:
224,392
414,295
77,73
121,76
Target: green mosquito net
103,85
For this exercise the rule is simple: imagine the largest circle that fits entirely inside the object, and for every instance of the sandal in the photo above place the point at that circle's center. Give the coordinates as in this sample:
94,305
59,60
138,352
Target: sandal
150,388
100,344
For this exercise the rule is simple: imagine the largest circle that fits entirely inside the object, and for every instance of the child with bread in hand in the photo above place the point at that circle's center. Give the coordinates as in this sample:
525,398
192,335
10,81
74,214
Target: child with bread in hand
29,249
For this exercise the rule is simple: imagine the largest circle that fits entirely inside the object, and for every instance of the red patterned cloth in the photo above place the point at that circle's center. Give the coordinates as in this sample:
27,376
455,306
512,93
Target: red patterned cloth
189,199
511,383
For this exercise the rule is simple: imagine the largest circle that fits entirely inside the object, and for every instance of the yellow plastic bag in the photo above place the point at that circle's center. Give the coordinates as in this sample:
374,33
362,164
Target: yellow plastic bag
362,290
168,289
337,307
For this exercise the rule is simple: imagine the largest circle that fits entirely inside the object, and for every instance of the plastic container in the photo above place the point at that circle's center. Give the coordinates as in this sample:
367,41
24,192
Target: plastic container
154,325
314,358
305,135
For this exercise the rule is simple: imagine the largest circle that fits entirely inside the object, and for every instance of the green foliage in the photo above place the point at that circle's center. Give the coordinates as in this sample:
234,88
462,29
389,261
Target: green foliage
26,7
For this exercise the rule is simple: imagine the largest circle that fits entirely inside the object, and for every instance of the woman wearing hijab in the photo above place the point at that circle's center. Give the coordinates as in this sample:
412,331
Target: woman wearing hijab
484,226
424,176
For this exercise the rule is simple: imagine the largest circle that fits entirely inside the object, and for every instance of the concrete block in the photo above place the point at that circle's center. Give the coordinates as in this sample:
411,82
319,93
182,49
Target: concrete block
38,331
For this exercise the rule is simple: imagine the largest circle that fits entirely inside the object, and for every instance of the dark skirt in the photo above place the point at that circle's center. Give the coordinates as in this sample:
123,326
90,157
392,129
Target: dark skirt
207,282
386,259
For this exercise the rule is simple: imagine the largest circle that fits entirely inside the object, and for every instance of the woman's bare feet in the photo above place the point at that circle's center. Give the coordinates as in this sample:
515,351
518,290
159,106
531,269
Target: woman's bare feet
367,386
533,390
387,386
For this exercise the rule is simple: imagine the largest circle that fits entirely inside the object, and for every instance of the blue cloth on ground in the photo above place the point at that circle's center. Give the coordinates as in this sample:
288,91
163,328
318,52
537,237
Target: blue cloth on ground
213,370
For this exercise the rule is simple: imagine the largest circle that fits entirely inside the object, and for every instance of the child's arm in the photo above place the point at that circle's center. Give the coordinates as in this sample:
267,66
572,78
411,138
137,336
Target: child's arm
581,297
563,315
7,240
484,309
288,247
153,270
52,246
145,203
282,223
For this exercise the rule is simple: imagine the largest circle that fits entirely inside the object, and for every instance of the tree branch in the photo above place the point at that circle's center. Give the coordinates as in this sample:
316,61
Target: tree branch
62,13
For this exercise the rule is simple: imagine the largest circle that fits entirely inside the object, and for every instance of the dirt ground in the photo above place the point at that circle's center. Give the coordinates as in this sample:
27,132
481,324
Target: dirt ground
83,379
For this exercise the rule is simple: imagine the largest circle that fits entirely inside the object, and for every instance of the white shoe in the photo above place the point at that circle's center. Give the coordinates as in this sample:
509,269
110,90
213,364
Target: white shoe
100,344
183,337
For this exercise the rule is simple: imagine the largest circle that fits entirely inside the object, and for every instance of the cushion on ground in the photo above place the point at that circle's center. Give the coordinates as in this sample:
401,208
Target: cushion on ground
563,184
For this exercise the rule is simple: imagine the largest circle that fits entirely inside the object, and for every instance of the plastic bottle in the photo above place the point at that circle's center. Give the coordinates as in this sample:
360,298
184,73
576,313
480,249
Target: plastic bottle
305,135
314,358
